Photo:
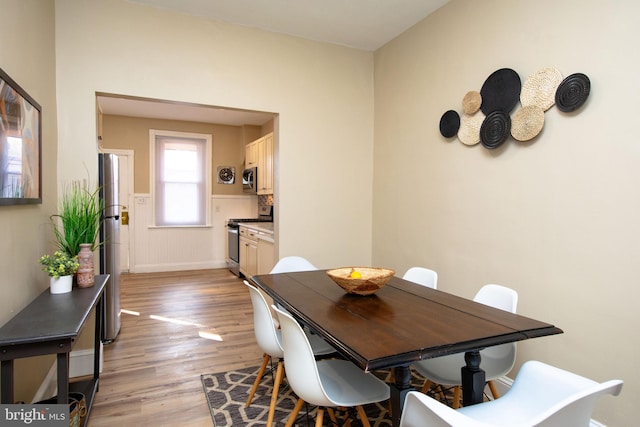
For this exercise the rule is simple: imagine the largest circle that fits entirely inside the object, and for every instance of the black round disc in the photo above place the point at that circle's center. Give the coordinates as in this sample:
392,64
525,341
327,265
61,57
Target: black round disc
495,129
573,92
449,124
501,91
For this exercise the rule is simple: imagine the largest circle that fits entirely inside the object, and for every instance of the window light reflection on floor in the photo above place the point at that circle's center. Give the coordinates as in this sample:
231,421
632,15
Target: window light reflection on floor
205,333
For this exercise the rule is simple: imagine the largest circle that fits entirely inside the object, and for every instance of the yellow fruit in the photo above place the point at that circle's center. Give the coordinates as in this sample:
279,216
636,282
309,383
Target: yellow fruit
355,275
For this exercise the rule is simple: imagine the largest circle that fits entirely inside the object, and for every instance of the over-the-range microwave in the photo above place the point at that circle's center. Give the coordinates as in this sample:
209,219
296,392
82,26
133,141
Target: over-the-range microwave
250,180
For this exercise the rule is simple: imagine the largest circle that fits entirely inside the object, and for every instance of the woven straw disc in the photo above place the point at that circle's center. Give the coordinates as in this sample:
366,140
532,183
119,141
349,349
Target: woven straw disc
469,132
471,102
527,123
540,88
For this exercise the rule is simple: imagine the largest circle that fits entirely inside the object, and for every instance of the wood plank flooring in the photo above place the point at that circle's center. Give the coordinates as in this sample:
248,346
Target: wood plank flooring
175,327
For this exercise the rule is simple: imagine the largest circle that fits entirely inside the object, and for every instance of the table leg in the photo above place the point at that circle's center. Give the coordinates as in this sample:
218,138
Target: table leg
399,390
63,378
473,379
7,381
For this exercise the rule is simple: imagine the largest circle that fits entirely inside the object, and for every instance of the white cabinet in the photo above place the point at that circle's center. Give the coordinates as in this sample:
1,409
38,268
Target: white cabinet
266,253
265,164
248,251
251,155
257,251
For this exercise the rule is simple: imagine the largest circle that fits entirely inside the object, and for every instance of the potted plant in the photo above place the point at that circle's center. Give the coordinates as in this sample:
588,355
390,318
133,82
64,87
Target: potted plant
60,267
76,227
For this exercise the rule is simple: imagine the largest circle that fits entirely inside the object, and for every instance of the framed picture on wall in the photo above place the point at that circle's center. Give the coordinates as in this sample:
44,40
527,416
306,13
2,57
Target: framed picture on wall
20,145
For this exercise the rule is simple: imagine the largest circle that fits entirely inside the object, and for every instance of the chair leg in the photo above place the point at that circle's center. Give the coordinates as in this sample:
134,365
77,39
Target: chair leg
319,416
363,416
494,391
274,393
457,391
332,416
265,360
427,385
294,413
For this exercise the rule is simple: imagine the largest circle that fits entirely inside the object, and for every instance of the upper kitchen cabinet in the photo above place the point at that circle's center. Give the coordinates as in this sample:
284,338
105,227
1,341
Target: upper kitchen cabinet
251,155
265,164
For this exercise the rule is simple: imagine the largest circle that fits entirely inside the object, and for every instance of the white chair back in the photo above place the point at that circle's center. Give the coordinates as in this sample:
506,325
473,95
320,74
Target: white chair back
498,360
300,363
263,325
498,296
541,396
292,263
422,276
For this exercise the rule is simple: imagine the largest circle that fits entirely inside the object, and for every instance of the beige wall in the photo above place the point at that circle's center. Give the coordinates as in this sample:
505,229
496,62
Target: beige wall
27,56
556,218
113,46
133,133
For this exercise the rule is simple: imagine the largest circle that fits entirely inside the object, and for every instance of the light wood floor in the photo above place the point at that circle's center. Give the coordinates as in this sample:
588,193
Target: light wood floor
151,372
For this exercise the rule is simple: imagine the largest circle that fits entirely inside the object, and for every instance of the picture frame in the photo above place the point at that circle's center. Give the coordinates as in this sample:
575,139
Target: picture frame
20,145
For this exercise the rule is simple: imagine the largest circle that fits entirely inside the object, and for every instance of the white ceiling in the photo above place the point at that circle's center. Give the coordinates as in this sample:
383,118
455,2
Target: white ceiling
361,24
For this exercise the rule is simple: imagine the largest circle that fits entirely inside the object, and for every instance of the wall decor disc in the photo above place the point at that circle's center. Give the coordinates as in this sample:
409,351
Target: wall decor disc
495,129
540,88
469,133
449,123
501,91
573,92
471,102
527,123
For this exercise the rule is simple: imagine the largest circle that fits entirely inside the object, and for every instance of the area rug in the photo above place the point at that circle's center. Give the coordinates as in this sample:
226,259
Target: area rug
227,393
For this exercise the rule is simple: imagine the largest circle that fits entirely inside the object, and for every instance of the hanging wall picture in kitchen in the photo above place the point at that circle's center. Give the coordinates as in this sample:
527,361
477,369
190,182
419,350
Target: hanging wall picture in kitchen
490,116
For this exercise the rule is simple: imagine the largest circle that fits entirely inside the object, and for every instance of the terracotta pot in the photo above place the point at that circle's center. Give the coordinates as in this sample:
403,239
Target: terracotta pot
85,275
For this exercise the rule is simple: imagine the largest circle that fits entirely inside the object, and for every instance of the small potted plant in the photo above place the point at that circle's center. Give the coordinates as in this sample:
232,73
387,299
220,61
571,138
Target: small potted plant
60,267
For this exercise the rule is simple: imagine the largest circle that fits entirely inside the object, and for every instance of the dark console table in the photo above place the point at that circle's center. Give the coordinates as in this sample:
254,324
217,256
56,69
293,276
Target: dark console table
50,324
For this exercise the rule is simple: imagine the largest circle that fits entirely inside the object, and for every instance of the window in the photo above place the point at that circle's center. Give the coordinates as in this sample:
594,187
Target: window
181,177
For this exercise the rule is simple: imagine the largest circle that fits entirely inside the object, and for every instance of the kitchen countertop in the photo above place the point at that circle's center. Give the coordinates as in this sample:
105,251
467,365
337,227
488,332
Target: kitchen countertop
265,227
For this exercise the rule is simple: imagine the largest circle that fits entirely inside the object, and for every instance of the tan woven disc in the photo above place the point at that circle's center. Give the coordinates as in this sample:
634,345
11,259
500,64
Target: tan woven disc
527,123
471,102
540,88
469,132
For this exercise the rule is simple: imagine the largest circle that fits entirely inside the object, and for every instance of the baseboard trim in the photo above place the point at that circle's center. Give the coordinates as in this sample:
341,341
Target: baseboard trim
80,365
503,384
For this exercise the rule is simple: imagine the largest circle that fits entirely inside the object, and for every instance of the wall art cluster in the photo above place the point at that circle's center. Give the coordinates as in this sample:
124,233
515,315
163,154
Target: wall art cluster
487,115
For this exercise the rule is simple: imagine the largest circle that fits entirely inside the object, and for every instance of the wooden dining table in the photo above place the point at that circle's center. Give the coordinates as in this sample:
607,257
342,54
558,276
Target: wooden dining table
400,324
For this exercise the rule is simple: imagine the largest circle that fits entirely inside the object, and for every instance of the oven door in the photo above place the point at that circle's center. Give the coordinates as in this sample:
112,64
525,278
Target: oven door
233,249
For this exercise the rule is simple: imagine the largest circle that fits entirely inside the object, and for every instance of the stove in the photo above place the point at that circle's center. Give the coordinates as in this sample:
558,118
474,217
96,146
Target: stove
266,215
233,237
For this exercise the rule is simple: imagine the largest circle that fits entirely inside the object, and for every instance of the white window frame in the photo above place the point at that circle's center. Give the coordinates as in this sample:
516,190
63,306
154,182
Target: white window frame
153,134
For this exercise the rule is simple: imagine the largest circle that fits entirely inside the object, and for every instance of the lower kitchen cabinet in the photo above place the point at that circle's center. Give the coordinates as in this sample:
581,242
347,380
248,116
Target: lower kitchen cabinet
257,251
266,254
248,251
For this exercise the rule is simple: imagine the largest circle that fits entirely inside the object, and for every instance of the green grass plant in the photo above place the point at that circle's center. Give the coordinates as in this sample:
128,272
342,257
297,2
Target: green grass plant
79,218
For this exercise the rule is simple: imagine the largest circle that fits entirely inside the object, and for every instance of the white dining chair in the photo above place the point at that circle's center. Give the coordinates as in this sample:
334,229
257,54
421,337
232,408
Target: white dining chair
268,337
422,276
496,361
292,263
326,383
541,396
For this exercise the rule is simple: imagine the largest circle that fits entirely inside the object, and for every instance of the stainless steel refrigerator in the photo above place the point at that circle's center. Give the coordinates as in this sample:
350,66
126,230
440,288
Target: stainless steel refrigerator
110,247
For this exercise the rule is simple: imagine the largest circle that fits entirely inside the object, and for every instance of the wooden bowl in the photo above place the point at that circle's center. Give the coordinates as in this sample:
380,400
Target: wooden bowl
372,279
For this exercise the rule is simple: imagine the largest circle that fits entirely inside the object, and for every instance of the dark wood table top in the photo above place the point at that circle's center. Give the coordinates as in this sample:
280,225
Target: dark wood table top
401,323
52,316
